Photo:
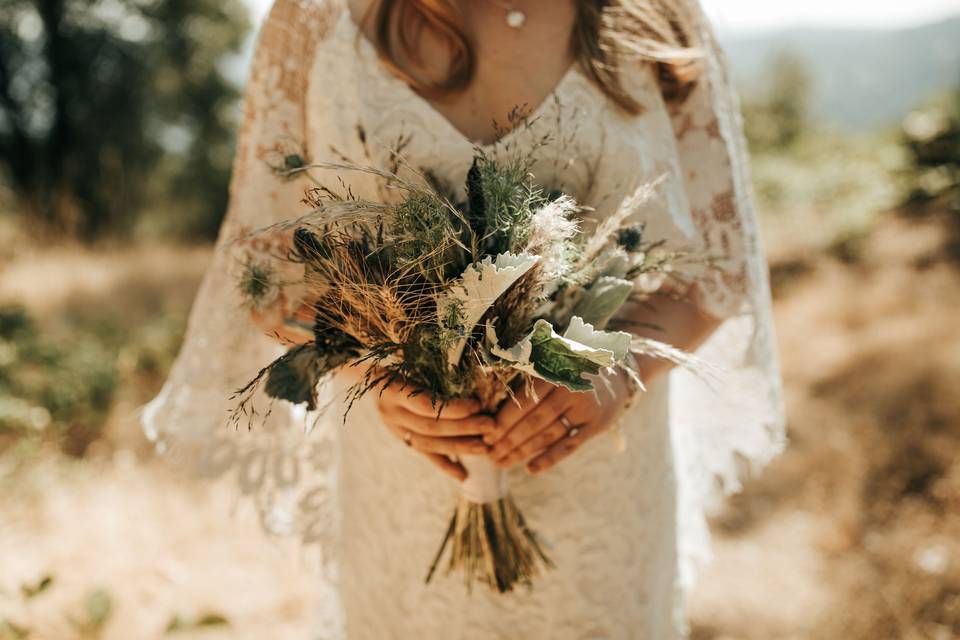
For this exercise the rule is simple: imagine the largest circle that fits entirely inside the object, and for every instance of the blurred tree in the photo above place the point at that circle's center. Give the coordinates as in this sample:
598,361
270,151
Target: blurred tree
110,106
777,117
931,135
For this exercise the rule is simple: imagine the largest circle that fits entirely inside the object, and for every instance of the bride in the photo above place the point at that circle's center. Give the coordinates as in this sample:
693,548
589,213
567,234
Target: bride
618,93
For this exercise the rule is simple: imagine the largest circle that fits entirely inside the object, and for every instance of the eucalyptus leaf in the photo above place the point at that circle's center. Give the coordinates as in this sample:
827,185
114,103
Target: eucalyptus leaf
602,300
616,264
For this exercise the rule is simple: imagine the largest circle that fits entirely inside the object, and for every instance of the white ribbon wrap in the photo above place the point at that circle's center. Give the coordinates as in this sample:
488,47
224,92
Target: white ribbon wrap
485,483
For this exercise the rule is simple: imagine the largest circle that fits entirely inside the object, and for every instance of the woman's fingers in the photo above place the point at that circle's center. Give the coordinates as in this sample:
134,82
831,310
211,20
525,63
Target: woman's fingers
448,466
438,449
455,446
459,446
406,397
553,433
563,448
536,420
515,409
475,425
458,409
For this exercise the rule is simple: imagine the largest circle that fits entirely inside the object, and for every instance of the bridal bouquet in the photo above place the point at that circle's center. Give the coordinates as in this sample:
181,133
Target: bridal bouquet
464,299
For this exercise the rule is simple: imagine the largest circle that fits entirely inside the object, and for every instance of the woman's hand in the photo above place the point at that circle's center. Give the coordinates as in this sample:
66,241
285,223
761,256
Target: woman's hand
289,326
534,431
457,430
543,432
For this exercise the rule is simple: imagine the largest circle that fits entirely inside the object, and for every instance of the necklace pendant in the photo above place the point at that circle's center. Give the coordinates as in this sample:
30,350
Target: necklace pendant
515,18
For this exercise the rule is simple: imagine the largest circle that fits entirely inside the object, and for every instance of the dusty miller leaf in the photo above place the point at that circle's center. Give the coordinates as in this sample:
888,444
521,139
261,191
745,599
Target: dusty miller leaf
617,342
479,287
602,300
545,354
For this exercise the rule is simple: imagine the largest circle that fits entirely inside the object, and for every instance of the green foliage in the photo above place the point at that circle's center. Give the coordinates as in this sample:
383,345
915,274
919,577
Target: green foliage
110,110
814,185
30,591
778,117
178,624
294,376
62,389
429,237
602,300
59,385
89,618
10,630
931,136
95,612
425,364
508,197
555,358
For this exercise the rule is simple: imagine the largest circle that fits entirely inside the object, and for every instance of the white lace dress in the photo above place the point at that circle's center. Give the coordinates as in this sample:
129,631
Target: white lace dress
626,528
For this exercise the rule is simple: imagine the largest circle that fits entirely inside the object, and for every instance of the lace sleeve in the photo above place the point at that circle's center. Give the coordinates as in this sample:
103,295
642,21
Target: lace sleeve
733,427
715,169
288,479
272,140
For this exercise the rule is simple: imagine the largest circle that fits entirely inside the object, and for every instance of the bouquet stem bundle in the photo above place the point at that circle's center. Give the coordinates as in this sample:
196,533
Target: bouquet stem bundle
490,542
488,537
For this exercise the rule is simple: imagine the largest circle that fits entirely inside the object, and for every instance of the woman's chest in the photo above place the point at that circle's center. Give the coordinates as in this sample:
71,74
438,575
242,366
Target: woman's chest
494,67
577,140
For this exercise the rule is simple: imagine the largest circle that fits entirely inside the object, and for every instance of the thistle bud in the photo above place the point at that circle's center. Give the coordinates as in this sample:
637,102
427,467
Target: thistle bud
475,200
630,238
293,161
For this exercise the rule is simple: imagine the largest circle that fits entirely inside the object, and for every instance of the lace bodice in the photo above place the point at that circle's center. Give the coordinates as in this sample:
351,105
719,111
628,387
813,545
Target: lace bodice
318,91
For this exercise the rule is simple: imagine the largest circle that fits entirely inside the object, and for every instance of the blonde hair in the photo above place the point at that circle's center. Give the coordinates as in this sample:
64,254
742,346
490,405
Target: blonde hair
607,36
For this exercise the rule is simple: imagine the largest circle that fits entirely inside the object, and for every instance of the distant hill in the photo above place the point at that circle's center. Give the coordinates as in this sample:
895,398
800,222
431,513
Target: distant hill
862,78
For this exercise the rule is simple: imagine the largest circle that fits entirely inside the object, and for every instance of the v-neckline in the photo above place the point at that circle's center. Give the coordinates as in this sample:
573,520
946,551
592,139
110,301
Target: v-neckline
369,52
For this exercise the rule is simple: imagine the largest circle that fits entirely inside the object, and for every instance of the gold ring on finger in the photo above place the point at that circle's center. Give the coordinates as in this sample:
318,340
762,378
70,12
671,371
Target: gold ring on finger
408,438
572,431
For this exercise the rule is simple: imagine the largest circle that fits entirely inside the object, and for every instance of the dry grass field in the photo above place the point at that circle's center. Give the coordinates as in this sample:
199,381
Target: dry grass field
854,534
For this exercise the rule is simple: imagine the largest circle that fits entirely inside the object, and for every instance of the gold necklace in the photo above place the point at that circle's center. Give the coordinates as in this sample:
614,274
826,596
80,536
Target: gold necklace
515,18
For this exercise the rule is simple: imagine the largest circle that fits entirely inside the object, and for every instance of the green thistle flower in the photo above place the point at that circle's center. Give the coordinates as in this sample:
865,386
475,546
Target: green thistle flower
258,287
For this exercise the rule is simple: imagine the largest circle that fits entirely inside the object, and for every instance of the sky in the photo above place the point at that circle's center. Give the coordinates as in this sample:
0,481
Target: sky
754,15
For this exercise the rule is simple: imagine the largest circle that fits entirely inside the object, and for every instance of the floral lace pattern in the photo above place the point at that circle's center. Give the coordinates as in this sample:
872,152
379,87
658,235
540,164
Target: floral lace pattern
626,528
